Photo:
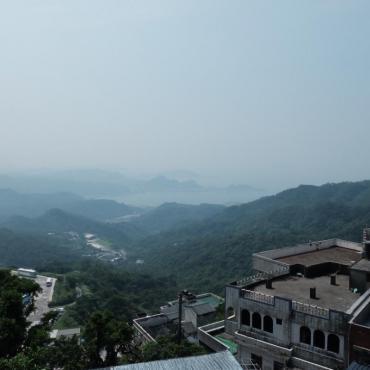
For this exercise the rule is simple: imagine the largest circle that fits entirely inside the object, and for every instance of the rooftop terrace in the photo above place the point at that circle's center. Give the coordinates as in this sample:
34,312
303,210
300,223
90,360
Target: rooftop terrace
337,297
334,254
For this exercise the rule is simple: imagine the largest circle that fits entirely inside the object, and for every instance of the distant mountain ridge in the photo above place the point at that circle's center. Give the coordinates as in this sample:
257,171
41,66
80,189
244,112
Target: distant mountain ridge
115,185
35,204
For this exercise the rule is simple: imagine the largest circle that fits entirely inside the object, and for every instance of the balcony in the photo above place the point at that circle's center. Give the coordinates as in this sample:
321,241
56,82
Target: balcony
317,355
270,344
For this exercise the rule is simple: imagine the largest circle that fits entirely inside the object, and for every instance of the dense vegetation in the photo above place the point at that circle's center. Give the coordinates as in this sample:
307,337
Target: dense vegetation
99,286
208,254
30,348
32,250
58,221
173,215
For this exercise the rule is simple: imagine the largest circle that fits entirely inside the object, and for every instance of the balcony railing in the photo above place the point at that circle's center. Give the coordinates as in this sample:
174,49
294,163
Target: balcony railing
261,276
310,309
258,296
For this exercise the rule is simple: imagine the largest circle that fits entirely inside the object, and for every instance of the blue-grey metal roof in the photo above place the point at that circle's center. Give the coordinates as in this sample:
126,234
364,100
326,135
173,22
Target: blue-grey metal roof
215,361
356,366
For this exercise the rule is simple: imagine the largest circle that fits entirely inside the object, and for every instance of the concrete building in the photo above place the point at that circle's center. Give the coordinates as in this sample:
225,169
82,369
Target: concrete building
28,273
305,307
65,333
196,311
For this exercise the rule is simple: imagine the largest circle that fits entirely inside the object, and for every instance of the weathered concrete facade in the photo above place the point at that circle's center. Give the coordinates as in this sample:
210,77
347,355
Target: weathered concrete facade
277,326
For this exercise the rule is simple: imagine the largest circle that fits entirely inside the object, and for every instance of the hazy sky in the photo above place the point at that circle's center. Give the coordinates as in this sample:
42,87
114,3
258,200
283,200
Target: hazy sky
261,92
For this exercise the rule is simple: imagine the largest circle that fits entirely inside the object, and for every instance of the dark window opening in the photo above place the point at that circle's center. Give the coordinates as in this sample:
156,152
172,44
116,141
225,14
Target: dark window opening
305,335
319,339
257,360
246,317
230,313
279,321
333,343
278,366
256,320
268,324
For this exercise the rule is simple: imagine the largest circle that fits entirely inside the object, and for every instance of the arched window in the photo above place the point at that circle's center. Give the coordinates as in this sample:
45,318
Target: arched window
246,317
333,343
319,339
268,324
230,313
305,335
256,320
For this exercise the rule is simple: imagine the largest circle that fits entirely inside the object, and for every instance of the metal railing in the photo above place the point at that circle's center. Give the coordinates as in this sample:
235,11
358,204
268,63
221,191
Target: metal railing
261,276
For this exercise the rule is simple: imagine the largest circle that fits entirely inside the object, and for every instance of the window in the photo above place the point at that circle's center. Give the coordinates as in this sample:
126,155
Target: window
305,335
246,317
256,320
230,313
278,366
268,324
279,321
333,343
257,360
319,339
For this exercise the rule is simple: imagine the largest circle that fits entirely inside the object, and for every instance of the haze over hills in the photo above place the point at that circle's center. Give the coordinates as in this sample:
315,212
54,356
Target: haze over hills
35,204
206,245
151,191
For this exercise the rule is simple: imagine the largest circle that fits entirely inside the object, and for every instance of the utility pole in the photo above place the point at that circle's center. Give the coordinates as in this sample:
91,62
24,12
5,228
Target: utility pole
179,329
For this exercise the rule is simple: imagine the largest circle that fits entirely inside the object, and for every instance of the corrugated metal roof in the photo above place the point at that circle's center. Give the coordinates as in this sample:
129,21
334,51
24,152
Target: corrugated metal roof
356,366
215,361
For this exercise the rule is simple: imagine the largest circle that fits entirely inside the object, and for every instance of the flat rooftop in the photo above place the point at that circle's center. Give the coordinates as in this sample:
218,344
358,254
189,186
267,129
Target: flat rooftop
337,297
335,254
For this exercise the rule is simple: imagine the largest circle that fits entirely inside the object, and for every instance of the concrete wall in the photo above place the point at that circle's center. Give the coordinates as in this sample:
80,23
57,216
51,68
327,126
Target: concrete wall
232,294
205,336
349,245
265,264
358,279
297,249
190,316
270,353
280,310
359,343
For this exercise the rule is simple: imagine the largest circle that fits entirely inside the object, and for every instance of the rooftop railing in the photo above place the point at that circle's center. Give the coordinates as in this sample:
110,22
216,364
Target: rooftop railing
261,276
311,309
258,296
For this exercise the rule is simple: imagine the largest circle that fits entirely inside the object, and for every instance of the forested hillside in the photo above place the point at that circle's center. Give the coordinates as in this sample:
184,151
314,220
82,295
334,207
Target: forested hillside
58,221
28,250
206,255
173,215
106,287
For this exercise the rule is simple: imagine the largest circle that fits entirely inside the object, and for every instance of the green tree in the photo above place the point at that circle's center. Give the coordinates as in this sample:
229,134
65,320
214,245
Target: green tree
104,333
13,322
